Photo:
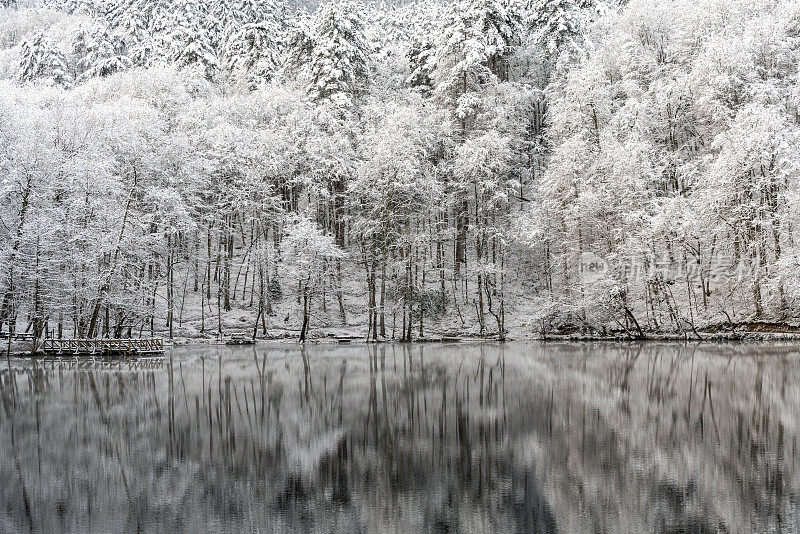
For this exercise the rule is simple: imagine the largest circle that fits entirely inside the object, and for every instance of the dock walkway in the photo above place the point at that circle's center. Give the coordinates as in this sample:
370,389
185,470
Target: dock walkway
103,347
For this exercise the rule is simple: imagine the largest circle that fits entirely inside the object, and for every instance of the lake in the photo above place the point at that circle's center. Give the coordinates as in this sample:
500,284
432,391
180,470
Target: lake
465,437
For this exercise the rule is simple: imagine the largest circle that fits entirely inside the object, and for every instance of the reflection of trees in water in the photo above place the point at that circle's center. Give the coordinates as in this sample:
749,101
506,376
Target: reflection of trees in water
685,438
519,437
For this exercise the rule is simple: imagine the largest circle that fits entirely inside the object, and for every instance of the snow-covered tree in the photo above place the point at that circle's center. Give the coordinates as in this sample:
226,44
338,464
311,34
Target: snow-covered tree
390,201
252,54
482,166
259,11
338,67
98,54
191,42
746,193
42,60
300,42
309,252
131,18
421,59
474,46
558,26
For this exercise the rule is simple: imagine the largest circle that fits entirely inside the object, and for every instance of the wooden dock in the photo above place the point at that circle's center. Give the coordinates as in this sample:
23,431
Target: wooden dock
17,336
103,347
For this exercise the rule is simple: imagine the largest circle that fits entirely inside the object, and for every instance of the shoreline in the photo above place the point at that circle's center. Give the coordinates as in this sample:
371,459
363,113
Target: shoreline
22,361
332,339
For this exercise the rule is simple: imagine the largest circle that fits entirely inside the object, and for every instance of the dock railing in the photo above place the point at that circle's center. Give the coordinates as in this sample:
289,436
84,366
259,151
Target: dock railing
103,346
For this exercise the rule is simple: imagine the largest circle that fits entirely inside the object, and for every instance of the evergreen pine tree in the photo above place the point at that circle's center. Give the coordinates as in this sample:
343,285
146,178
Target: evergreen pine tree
422,61
252,53
299,46
41,59
155,44
254,11
474,47
99,54
556,25
190,41
338,65
131,18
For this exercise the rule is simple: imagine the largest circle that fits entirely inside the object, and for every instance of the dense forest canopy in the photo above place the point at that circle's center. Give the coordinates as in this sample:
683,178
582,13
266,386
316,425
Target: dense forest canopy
484,166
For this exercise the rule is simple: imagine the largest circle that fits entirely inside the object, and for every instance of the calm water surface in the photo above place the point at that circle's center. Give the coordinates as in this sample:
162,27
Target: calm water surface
425,438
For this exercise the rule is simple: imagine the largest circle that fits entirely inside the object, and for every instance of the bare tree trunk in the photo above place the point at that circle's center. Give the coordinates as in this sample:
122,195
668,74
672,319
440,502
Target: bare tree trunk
183,298
759,260
228,259
202,309
304,327
383,288
339,292
170,285
422,299
462,222
409,294
208,264
196,261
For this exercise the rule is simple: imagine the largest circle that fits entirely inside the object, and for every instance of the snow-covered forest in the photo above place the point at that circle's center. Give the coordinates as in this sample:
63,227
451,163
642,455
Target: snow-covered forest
186,167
